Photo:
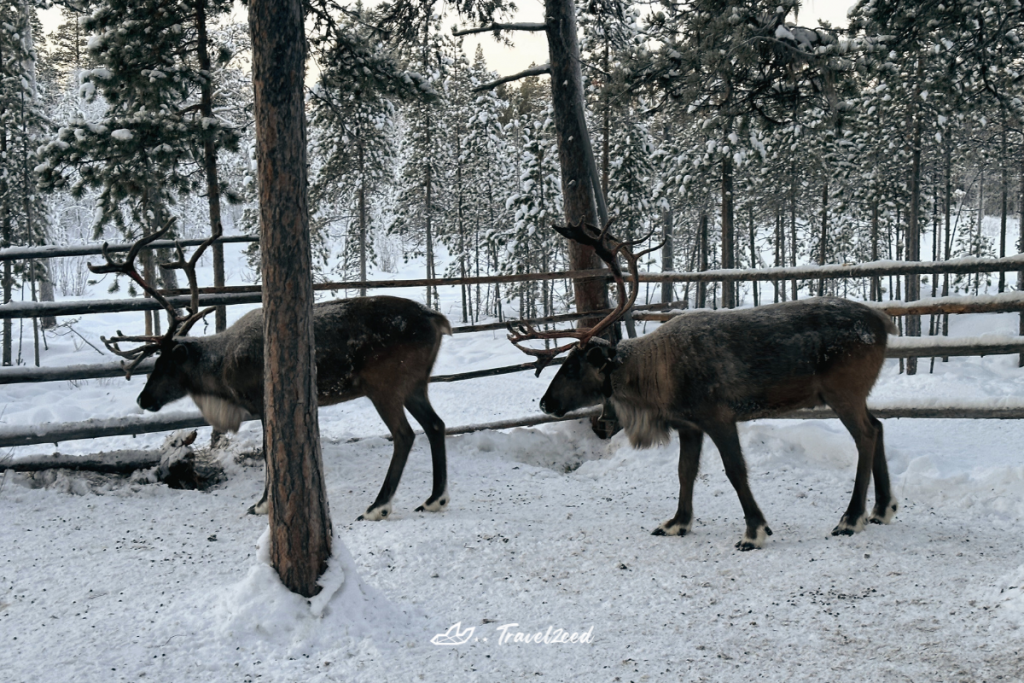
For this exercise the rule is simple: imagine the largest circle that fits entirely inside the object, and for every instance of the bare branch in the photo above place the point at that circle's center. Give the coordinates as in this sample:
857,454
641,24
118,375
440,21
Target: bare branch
495,28
533,71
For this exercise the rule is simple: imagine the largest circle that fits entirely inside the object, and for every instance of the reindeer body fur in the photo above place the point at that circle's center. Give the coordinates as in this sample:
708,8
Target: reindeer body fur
380,347
702,372
749,363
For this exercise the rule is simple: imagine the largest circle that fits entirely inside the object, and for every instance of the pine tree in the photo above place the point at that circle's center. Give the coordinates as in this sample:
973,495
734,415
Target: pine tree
421,207
353,124
23,218
155,70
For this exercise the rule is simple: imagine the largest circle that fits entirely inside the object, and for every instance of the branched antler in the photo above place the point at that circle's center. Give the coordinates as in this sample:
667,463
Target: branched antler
608,249
178,324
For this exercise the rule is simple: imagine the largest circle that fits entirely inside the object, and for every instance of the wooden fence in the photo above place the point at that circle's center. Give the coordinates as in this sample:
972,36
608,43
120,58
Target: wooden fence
902,348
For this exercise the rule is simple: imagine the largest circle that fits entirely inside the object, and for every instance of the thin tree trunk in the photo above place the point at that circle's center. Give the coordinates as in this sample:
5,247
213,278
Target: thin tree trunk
702,257
210,157
1020,249
914,231
362,215
753,253
876,283
300,523
728,232
792,224
667,252
1004,191
823,244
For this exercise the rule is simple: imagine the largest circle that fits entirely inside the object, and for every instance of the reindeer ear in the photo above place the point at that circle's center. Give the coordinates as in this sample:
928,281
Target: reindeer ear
597,356
181,353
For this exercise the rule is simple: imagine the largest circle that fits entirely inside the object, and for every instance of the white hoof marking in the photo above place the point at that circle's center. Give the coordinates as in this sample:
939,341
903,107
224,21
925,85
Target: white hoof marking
377,514
758,540
890,512
438,505
670,528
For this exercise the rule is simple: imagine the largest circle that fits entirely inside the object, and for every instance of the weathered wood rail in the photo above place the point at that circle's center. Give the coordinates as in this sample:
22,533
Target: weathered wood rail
899,348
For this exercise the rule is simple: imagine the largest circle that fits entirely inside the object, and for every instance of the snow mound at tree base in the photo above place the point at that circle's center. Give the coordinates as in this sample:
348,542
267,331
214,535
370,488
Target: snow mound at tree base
260,613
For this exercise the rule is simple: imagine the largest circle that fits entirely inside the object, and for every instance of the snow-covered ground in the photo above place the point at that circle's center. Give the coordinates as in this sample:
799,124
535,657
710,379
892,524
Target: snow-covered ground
106,579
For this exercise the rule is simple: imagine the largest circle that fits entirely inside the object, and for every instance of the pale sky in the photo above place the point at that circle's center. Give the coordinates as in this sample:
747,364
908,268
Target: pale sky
531,47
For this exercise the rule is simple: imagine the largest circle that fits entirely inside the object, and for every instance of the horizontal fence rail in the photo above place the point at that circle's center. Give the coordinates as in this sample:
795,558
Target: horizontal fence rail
899,347
92,429
55,251
902,347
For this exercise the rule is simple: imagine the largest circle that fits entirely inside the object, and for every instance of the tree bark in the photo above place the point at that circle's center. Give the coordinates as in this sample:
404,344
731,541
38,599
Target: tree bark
702,257
300,524
667,252
913,286
823,244
362,215
1002,206
574,148
728,232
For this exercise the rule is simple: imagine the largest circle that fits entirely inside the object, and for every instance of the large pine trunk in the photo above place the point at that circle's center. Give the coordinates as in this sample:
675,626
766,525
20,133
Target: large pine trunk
300,524
573,148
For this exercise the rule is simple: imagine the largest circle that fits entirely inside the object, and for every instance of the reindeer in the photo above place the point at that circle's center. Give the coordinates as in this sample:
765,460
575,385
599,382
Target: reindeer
702,372
380,347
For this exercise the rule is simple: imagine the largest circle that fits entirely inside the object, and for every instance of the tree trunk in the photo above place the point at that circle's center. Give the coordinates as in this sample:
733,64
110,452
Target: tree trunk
1020,249
575,154
913,288
876,283
753,254
948,238
1004,190
728,232
667,265
300,524
792,224
702,256
210,158
823,244
362,217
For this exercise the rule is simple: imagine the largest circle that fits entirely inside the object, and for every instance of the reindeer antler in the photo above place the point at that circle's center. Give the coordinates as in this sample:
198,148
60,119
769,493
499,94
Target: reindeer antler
608,249
178,324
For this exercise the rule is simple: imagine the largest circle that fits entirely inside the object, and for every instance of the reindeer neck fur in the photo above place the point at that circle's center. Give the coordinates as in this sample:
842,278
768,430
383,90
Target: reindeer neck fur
206,384
643,385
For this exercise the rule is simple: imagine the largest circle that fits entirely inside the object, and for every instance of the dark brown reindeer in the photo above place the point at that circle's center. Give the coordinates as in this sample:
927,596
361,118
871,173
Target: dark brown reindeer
702,372
380,347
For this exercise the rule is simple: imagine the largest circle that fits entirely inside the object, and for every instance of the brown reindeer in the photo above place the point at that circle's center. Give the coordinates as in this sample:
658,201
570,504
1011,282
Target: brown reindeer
702,372
380,347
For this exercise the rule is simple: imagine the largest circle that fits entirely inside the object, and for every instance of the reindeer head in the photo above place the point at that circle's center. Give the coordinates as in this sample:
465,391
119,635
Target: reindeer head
164,383
583,380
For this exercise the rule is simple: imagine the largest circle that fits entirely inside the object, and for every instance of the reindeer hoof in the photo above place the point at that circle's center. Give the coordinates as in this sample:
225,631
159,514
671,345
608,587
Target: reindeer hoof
260,508
375,514
672,528
885,516
754,541
848,528
435,504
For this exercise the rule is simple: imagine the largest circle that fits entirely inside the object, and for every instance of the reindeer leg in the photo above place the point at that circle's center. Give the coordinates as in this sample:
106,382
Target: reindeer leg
690,441
885,503
391,411
419,406
858,422
262,507
728,442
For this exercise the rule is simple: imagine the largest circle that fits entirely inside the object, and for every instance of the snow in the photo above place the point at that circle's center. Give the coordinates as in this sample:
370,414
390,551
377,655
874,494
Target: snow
105,578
